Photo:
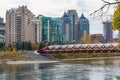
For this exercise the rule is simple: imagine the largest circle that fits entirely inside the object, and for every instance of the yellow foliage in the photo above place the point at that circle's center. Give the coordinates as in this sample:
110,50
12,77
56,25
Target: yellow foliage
35,46
86,39
118,46
14,51
116,18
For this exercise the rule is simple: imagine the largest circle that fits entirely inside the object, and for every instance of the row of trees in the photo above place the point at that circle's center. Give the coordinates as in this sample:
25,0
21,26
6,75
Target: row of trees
24,45
29,46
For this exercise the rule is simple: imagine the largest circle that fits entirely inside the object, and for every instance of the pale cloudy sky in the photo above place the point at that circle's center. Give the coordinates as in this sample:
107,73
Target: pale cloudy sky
56,8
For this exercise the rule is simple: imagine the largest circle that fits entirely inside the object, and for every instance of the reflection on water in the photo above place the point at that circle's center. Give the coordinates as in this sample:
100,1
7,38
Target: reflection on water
108,69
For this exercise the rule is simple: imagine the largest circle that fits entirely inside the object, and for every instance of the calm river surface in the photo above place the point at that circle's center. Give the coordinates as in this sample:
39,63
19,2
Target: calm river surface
108,69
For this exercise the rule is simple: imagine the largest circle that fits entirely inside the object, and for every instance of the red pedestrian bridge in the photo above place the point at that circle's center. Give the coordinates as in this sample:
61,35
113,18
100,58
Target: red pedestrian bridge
112,47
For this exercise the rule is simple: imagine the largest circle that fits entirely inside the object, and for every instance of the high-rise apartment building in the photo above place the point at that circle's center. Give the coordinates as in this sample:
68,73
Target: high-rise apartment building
10,28
82,28
107,31
18,25
67,28
74,18
37,29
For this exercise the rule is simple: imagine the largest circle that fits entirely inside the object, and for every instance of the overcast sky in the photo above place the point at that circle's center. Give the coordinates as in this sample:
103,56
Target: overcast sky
56,8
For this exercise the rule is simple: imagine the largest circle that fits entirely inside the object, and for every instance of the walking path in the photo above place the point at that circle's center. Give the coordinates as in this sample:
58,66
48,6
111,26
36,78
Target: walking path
30,62
38,57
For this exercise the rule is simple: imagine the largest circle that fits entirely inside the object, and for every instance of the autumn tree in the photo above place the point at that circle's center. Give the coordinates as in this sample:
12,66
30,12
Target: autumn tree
35,46
118,46
86,39
116,19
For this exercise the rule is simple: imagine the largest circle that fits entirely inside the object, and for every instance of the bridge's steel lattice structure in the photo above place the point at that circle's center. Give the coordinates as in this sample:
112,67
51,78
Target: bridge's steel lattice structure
112,47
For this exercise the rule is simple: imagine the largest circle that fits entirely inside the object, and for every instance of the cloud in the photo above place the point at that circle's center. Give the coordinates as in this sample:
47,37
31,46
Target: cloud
22,2
96,25
81,3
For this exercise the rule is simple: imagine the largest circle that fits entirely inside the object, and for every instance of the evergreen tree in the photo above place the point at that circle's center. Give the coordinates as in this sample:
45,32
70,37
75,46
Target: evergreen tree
17,46
116,19
20,45
41,45
23,45
26,45
29,46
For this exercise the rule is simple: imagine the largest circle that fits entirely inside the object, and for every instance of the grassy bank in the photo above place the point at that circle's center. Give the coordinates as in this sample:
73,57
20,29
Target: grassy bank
13,55
84,55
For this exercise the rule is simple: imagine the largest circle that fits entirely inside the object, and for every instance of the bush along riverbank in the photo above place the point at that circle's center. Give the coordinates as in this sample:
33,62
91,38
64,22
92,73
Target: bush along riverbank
13,55
84,55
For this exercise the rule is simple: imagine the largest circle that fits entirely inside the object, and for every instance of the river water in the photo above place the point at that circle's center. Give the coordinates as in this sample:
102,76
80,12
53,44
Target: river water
106,69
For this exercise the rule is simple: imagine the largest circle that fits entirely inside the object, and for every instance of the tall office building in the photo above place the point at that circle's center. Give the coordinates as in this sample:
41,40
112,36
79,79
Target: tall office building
46,25
67,29
107,31
18,25
1,20
51,30
82,27
58,30
74,18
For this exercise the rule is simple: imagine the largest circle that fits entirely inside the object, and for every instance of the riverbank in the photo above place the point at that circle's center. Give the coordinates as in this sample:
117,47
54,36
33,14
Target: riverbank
58,61
94,58
25,57
29,57
84,55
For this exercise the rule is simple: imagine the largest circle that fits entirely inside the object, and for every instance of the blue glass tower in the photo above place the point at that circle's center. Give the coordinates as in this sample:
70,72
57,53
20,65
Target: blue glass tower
59,35
51,30
82,27
74,18
67,29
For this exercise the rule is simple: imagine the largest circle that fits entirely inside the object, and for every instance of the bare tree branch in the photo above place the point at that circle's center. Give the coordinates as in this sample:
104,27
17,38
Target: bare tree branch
105,1
101,11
